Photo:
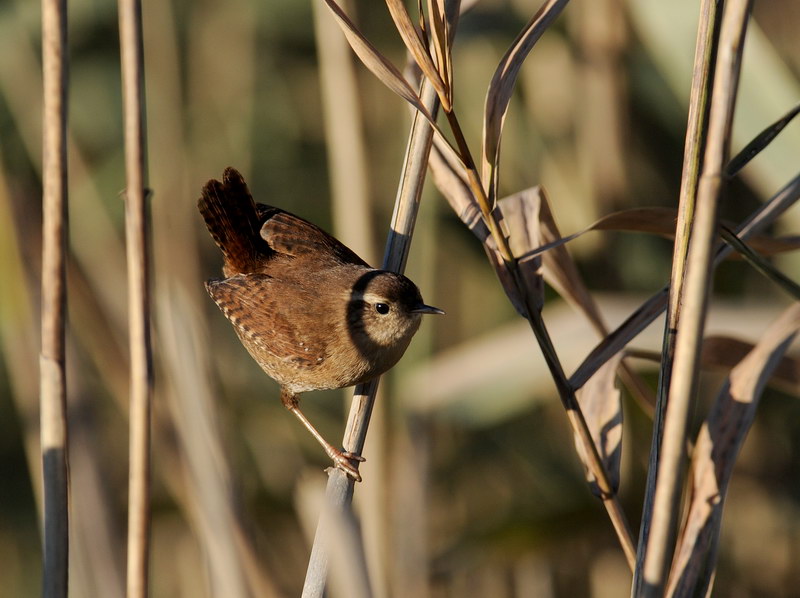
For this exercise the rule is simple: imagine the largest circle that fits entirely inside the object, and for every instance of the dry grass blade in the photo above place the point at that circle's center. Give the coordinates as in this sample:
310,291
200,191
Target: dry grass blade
448,175
442,45
602,407
725,352
655,305
137,244
661,221
449,179
417,47
762,140
718,445
766,245
53,391
619,338
521,218
460,194
655,221
702,71
376,62
502,85
760,264
661,520
562,274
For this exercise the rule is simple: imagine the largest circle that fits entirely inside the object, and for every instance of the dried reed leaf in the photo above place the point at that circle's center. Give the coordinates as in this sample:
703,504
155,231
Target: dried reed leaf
766,245
661,221
441,44
561,273
726,352
417,47
376,62
521,219
658,221
760,264
502,85
762,140
602,408
448,176
718,444
619,338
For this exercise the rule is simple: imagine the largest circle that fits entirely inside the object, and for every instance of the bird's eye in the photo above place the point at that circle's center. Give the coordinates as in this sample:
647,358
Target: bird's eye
382,308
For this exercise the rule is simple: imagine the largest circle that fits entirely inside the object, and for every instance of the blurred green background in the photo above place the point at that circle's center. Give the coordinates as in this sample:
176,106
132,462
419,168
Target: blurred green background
471,484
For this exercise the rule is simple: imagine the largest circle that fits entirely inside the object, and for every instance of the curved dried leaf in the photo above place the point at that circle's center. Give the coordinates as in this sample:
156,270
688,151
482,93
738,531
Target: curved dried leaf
760,264
762,140
619,338
416,47
502,85
442,44
726,352
521,219
774,245
602,408
718,444
376,62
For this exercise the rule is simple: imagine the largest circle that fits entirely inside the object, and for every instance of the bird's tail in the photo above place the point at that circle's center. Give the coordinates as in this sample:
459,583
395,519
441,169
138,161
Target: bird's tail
232,219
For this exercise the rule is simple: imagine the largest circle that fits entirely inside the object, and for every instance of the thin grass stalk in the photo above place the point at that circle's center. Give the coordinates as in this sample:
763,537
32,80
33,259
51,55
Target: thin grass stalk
339,492
547,13
707,34
534,317
53,389
136,235
579,426
567,394
618,339
694,299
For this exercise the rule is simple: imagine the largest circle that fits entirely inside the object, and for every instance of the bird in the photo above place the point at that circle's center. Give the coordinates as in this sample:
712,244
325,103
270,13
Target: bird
311,313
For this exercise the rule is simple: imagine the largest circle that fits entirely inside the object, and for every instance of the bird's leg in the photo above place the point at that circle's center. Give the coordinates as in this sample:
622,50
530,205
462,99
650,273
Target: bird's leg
341,459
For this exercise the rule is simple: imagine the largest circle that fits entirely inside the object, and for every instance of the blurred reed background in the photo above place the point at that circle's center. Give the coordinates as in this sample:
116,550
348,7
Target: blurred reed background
471,484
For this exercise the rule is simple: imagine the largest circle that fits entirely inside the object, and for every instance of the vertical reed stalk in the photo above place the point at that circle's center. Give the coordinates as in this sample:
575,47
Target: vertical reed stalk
136,233
694,301
705,47
53,402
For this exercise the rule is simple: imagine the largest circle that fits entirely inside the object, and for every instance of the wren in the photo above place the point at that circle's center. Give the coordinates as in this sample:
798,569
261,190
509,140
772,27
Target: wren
313,314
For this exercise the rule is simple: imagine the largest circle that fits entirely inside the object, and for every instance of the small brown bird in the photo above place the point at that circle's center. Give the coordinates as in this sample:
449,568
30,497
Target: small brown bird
313,314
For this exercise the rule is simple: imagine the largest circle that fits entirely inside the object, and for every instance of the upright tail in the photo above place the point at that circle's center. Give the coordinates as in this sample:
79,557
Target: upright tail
232,219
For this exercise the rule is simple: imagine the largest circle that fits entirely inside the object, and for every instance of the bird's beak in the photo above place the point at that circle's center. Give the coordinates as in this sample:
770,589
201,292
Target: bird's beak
427,309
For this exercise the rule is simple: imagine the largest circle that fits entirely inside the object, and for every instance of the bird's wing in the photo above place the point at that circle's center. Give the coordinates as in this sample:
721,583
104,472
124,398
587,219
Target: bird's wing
270,319
292,235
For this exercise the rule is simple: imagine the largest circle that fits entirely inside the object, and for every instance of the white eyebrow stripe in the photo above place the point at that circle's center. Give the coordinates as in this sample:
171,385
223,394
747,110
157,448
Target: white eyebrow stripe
373,298
368,297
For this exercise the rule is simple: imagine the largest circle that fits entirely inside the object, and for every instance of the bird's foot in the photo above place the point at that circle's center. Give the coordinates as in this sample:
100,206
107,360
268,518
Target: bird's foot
343,460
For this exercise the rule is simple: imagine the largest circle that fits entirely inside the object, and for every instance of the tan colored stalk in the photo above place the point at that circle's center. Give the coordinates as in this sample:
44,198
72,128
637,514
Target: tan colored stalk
695,134
534,317
136,234
53,390
694,301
